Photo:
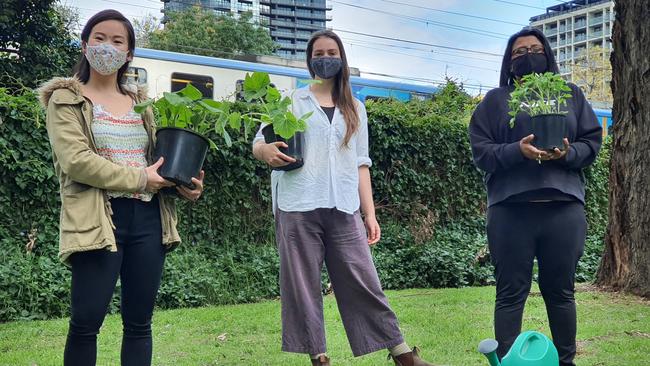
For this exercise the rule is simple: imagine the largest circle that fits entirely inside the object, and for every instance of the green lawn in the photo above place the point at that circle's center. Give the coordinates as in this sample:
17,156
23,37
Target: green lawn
446,323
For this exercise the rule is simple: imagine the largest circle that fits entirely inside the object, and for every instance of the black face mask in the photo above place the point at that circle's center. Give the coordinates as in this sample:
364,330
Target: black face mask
528,64
326,67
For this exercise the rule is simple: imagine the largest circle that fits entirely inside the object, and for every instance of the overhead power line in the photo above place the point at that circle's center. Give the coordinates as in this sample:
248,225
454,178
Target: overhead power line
429,21
453,12
130,4
518,4
422,57
429,50
419,43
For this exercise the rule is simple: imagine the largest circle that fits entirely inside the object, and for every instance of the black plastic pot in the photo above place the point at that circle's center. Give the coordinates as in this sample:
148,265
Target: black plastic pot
295,149
549,131
184,152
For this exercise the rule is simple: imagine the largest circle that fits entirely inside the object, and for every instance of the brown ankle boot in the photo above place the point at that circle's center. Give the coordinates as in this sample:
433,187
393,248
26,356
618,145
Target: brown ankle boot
409,359
321,361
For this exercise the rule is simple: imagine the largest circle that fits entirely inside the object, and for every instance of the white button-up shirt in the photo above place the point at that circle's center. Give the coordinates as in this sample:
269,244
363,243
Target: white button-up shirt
330,175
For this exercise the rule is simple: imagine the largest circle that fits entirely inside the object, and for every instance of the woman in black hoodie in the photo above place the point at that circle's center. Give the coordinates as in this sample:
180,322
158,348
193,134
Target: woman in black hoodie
535,198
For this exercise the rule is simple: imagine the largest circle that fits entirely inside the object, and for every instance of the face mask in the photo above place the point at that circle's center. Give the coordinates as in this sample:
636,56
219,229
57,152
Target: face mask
105,58
326,67
528,64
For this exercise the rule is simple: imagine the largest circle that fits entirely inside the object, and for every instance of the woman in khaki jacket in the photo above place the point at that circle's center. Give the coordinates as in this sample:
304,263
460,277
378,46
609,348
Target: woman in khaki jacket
114,221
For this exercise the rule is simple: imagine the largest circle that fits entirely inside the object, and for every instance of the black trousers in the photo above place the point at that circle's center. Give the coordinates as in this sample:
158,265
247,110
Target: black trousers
554,233
138,263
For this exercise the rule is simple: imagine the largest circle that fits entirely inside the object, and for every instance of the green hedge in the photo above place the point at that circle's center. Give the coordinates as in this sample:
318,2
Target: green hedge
430,202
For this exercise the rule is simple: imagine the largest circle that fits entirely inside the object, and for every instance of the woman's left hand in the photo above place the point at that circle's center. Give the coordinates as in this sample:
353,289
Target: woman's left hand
373,230
557,153
192,194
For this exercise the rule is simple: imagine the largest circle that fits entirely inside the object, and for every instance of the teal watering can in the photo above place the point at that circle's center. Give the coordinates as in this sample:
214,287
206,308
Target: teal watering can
530,349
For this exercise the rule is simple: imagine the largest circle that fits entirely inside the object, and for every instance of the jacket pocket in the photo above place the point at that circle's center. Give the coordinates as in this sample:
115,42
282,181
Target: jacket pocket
80,210
75,188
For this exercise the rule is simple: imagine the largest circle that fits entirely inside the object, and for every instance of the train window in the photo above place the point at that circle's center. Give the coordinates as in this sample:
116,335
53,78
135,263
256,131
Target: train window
239,90
420,96
205,84
135,76
376,98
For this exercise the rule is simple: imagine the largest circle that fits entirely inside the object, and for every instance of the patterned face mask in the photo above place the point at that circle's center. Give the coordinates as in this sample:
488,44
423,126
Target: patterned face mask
105,58
326,67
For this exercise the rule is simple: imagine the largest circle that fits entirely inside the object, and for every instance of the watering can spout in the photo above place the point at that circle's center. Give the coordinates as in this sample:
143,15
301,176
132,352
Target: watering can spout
488,347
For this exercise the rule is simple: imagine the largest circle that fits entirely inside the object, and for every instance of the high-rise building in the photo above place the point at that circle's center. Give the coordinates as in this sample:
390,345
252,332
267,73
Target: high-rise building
576,29
290,22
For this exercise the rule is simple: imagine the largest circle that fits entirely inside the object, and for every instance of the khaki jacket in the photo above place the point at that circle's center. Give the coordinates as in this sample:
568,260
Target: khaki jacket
84,176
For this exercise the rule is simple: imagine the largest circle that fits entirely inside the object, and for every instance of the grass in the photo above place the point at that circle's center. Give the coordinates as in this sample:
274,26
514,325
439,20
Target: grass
447,324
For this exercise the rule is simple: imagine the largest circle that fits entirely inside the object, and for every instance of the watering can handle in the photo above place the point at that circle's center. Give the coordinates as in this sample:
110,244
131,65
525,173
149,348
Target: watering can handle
488,347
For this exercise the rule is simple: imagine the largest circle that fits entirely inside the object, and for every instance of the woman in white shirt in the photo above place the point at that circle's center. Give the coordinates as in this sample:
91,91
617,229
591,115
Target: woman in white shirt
317,217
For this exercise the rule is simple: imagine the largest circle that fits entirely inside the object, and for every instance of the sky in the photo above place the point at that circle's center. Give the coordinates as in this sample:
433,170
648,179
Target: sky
420,41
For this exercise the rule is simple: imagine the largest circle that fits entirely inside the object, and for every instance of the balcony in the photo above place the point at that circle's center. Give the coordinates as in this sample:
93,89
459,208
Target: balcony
580,24
553,44
580,38
309,26
316,4
282,34
286,45
307,14
550,31
598,20
303,35
318,15
563,42
283,23
282,12
598,34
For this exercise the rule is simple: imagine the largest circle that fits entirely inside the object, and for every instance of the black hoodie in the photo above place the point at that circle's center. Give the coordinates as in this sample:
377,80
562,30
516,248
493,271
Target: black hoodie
495,148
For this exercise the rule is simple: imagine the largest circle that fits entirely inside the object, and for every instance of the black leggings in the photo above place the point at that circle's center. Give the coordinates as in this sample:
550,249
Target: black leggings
139,263
554,232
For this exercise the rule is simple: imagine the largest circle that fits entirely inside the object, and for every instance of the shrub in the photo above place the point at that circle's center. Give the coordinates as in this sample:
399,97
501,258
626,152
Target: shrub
430,202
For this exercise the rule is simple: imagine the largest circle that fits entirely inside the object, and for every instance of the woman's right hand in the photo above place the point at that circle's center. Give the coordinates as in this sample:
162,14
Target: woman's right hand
272,155
530,151
154,181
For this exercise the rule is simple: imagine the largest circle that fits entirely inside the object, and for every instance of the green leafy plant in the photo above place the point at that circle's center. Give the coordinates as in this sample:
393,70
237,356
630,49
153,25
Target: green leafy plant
538,94
274,107
188,109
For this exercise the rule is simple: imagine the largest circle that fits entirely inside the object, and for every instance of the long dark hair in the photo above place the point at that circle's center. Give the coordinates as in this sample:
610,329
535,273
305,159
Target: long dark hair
341,93
507,78
82,69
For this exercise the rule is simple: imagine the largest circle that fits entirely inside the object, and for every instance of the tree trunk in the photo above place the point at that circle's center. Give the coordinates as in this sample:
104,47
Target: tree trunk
626,260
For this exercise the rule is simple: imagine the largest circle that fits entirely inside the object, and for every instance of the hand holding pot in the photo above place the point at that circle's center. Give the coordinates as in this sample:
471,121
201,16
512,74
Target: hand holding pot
559,154
272,155
530,151
193,194
154,181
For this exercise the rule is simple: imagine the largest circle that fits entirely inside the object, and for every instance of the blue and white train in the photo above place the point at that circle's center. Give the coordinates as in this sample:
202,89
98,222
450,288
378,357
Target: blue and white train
164,71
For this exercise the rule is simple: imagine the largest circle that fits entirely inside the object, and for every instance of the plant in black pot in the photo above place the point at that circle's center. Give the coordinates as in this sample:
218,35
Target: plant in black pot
542,97
183,120
273,109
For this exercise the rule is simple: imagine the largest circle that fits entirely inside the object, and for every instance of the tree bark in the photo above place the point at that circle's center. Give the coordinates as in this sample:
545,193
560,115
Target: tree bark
626,260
